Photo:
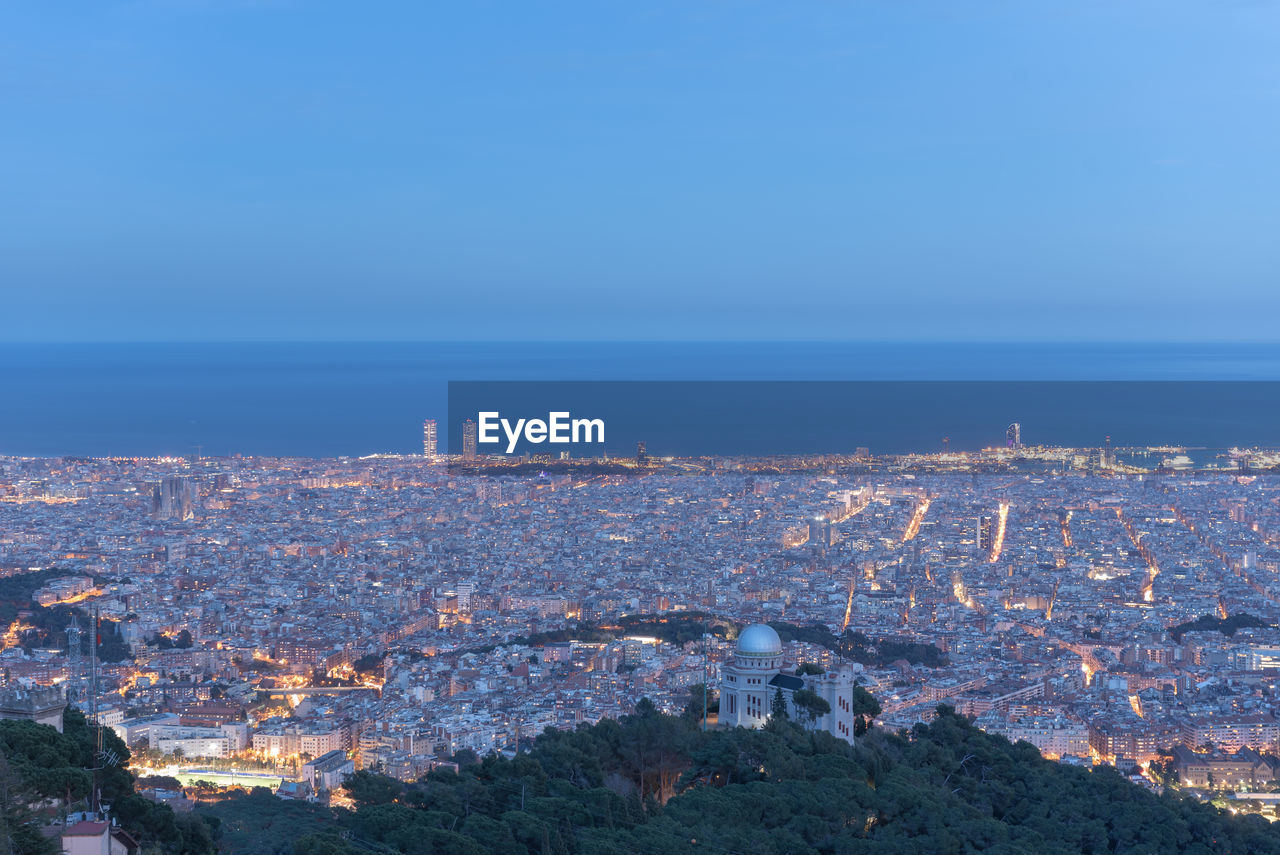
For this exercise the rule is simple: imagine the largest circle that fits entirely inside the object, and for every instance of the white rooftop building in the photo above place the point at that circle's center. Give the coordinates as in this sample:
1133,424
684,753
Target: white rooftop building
756,676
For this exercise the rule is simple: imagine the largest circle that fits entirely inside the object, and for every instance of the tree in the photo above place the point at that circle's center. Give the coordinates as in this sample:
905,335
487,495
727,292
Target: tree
813,705
651,751
324,844
779,708
370,663
52,765
258,822
865,708
19,826
1166,770
807,669
466,757
948,787
366,788
700,700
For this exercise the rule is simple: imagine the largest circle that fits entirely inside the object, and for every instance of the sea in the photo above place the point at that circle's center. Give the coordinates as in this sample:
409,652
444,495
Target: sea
335,399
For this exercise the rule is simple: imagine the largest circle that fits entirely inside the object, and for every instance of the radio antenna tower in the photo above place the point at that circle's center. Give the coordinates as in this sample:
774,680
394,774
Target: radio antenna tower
75,677
95,638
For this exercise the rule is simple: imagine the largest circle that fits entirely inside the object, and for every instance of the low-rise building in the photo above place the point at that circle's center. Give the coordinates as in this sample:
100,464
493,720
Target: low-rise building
1244,769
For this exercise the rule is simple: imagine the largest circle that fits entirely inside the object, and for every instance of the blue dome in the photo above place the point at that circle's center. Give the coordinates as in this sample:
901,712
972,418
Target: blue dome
759,640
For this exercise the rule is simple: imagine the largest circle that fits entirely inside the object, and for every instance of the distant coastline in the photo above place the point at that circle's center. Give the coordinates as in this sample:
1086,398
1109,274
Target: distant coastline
351,399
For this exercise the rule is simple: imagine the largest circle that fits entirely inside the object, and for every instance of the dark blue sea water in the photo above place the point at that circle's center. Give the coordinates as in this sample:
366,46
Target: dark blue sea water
331,399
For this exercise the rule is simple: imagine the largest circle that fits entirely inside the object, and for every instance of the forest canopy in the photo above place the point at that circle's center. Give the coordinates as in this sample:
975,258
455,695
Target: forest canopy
651,783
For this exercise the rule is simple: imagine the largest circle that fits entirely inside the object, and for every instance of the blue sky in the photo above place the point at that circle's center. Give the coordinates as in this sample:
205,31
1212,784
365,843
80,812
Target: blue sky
1072,170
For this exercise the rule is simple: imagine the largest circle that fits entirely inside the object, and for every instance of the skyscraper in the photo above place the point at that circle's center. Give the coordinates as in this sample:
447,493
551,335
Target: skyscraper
642,454
429,446
1013,436
820,532
983,533
468,440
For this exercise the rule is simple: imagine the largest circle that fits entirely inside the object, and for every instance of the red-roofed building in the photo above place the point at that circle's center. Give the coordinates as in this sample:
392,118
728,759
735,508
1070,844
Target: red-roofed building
91,837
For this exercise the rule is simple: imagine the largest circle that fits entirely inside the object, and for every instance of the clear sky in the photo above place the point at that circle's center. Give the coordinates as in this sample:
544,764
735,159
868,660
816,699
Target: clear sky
1083,169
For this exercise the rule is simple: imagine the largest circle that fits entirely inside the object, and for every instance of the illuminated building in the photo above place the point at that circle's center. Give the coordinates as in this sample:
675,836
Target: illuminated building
468,440
1232,732
1052,734
286,741
221,741
820,532
983,534
329,771
1244,769
429,444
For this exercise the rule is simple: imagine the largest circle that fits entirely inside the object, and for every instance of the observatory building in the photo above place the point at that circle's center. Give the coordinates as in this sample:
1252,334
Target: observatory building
756,675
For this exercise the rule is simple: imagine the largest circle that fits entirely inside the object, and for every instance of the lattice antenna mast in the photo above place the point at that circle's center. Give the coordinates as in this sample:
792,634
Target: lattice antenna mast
75,664
94,639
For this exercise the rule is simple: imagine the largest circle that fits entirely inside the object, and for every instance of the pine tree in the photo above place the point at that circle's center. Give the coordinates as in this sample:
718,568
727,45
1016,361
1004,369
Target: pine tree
779,709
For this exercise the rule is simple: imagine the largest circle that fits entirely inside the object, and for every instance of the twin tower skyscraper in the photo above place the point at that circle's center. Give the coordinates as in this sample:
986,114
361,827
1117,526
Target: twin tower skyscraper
431,443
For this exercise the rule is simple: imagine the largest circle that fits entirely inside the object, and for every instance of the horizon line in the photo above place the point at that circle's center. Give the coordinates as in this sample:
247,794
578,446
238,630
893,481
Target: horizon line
610,341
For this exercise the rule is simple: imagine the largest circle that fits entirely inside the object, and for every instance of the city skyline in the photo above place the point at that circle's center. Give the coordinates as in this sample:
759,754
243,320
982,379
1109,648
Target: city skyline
1136,612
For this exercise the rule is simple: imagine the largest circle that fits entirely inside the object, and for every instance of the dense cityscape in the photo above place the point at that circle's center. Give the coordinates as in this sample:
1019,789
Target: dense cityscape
653,428
286,622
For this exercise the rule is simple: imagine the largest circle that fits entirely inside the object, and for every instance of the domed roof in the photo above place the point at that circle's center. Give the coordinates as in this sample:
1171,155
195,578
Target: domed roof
759,640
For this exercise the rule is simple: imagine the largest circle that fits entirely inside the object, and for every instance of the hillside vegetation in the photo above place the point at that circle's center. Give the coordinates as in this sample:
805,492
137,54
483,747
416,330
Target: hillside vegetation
657,784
